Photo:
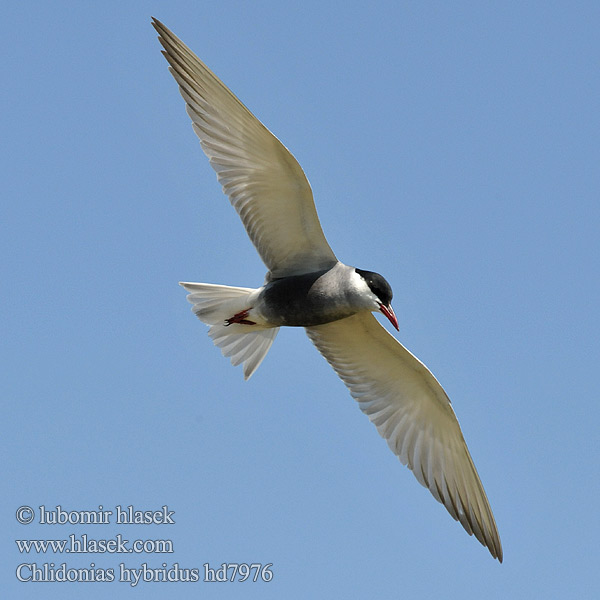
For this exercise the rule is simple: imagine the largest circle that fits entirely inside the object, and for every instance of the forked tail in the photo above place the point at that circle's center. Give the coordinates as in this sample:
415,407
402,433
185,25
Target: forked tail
215,305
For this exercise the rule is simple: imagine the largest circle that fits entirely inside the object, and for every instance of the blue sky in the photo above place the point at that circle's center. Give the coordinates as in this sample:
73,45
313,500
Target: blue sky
452,147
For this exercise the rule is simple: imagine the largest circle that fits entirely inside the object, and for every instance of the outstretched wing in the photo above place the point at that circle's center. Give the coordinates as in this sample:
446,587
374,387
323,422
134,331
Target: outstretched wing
264,182
412,413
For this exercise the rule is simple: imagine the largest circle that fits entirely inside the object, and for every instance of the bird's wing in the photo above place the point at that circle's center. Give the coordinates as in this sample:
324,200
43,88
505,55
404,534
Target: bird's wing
264,182
412,413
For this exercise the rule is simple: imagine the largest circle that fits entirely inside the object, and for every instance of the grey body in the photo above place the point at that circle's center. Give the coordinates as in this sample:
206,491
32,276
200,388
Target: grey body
313,298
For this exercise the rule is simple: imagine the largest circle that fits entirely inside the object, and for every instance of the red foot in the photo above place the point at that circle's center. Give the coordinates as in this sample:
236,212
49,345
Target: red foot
240,318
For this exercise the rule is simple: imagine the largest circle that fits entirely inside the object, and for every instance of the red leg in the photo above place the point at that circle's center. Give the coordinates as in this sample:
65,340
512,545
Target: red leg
240,318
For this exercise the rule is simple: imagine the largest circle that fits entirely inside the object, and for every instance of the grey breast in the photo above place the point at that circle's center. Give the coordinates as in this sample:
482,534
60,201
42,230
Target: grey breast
309,299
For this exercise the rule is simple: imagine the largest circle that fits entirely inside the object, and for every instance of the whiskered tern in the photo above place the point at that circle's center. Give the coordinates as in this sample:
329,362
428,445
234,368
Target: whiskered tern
306,286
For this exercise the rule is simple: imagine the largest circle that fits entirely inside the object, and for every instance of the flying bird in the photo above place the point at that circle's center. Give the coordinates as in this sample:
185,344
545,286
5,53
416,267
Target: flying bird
307,286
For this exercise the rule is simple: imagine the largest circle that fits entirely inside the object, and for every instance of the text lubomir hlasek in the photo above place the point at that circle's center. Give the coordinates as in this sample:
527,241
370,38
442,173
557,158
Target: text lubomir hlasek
123,516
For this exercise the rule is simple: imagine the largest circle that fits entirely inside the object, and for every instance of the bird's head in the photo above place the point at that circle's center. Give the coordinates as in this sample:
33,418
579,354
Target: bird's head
382,294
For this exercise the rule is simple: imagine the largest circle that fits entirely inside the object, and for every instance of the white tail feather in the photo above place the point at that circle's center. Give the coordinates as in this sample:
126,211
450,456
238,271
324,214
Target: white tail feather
214,304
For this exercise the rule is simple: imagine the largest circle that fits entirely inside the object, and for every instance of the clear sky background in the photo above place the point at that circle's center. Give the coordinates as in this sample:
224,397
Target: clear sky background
451,146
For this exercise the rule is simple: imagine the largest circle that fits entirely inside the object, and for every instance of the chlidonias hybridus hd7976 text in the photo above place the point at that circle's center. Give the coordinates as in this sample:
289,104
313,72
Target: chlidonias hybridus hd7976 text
306,286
